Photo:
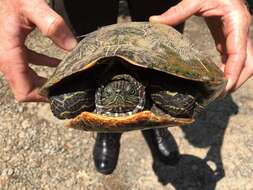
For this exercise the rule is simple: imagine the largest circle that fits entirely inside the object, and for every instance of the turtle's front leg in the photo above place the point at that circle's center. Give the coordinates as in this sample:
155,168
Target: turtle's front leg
174,103
70,104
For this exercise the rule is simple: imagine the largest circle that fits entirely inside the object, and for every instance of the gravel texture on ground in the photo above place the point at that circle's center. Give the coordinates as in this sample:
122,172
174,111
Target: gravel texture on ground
37,152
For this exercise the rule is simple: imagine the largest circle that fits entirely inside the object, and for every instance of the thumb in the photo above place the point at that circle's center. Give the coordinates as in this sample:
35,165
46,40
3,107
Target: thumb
50,24
178,13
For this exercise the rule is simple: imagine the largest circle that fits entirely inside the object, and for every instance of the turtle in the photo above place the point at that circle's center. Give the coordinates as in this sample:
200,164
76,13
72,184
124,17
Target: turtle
129,76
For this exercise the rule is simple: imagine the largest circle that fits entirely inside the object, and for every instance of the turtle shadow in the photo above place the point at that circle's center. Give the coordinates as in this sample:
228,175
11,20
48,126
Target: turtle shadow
208,132
210,129
190,172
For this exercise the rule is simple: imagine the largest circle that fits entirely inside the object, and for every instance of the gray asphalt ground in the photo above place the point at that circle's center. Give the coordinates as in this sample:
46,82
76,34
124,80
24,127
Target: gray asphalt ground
38,152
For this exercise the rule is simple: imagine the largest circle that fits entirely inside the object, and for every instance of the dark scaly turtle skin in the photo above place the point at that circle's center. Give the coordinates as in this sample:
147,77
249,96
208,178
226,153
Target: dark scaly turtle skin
128,76
120,96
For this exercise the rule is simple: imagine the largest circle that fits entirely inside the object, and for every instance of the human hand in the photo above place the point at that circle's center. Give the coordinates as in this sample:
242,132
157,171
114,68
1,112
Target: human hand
17,19
229,22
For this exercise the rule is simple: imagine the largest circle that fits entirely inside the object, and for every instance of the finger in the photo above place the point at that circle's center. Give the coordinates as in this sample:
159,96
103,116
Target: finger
215,26
23,81
25,85
236,32
50,24
177,14
40,59
34,96
247,71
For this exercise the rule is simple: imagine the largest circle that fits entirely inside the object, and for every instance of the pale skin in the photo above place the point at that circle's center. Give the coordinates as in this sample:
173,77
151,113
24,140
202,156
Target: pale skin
17,19
228,21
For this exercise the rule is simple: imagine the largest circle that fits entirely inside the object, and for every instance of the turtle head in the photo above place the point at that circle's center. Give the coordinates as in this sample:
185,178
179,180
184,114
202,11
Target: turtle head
119,94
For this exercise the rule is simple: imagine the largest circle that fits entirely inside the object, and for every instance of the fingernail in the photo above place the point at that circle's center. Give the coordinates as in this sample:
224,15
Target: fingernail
229,86
155,18
70,43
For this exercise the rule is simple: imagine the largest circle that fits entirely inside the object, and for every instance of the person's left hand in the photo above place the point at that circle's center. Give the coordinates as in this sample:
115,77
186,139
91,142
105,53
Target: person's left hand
18,18
229,22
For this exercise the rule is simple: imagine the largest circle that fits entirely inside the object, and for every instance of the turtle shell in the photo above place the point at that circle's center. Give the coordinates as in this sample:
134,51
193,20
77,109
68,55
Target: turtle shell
147,45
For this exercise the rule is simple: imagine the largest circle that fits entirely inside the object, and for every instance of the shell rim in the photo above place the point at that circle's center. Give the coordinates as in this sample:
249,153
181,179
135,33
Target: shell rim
110,123
220,82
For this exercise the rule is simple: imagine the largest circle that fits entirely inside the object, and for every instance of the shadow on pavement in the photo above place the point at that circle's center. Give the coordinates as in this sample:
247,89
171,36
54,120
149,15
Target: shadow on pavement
208,132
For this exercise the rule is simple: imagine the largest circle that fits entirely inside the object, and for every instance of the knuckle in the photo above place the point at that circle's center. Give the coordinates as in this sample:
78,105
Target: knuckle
178,9
226,9
249,18
244,55
54,26
241,57
246,17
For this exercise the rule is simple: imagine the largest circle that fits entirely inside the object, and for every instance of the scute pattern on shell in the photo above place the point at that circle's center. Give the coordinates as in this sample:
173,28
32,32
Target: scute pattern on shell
146,45
149,45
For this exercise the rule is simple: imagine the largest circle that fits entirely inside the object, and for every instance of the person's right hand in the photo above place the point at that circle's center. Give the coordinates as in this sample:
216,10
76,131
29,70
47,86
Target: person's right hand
17,19
229,22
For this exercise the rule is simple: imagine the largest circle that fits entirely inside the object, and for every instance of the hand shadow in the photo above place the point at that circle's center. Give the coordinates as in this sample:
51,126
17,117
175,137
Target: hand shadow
208,131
